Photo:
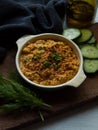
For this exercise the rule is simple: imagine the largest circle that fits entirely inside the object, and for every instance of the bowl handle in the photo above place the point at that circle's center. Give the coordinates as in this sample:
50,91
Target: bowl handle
78,80
20,42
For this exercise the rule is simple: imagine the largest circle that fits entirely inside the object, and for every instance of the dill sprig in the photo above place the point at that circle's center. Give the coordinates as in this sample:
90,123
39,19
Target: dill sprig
16,96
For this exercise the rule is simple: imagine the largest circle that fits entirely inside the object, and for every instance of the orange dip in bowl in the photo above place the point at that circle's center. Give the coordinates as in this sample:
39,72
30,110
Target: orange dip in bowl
48,62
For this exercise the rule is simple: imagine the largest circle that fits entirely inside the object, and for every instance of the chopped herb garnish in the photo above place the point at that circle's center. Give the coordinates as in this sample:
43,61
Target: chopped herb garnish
56,57
55,65
26,59
40,47
46,64
35,57
40,54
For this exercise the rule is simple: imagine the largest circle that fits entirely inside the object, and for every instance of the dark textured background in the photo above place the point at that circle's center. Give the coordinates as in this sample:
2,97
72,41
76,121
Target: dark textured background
20,17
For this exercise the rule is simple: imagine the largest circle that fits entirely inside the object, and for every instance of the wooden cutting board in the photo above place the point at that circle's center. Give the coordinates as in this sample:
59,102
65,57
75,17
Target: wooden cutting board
61,100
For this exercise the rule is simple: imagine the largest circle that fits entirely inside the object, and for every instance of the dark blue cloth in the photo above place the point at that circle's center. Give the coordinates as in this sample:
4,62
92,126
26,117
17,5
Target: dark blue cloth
20,17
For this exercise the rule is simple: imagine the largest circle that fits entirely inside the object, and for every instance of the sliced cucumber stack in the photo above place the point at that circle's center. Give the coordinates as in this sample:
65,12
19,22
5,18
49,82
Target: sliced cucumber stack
88,45
89,51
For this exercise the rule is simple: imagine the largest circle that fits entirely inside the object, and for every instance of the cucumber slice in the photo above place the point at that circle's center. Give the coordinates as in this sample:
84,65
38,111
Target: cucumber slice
89,51
86,36
96,45
71,33
90,66
92,40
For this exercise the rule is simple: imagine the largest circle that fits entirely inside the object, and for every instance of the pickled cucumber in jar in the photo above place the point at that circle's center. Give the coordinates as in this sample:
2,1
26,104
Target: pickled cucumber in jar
80,13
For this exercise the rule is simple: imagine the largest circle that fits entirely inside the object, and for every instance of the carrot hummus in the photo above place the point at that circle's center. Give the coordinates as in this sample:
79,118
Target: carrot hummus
48,62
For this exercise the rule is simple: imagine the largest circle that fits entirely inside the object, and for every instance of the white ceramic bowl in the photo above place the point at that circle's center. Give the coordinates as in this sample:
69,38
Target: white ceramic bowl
75,81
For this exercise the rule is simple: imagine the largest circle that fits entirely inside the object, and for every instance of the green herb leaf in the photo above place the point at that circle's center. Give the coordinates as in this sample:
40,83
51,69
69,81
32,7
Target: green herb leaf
56,57
35,57
18,97
46,64
55,65
26,59
9,107
40,47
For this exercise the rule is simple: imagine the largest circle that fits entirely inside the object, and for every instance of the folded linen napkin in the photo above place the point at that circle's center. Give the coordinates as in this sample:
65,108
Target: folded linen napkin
20,17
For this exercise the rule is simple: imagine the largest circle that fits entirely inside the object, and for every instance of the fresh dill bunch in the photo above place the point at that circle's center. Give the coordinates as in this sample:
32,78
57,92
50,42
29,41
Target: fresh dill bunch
17,97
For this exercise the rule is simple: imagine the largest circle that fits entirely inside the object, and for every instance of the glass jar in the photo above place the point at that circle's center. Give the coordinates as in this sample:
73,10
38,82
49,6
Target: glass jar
80,13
